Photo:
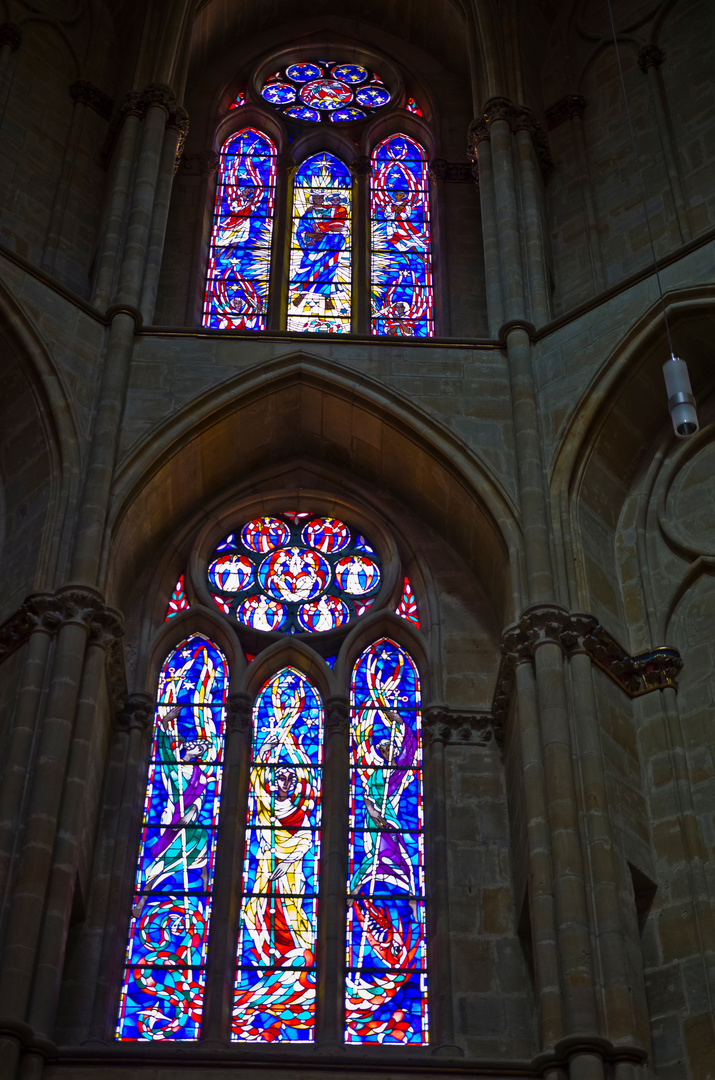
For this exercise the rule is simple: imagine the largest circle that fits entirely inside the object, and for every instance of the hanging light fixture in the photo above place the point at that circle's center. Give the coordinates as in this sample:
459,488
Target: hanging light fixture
681,402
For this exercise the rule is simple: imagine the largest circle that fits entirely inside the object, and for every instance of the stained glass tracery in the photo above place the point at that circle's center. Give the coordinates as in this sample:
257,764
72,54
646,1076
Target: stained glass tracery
164,978
294,572
177,600
320,285
386,978
240,256
274,999
402,288
407,607
321,90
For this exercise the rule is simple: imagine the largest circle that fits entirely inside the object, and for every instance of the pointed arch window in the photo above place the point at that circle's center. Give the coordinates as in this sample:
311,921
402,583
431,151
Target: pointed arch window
162,994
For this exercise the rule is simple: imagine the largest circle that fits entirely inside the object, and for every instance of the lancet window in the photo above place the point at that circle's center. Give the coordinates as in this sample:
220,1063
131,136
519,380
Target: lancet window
322,575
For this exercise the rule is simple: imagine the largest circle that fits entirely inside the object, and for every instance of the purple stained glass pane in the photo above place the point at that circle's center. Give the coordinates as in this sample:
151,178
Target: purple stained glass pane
320,274
239,259
163,985
274,997
386,987
402,287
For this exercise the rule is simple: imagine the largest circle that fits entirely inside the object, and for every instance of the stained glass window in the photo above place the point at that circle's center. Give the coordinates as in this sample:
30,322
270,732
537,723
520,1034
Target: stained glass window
323,90
294,573
163,987
402,291
413,107
177,600
407,607
240,256
239,100
386,982
319,292
274,997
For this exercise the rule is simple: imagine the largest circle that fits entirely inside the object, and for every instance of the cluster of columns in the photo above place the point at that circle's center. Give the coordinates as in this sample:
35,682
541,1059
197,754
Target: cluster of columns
57,744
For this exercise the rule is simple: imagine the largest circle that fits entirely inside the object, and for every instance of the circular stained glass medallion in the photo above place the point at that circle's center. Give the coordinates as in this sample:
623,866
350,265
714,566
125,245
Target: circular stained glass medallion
295,573
319,90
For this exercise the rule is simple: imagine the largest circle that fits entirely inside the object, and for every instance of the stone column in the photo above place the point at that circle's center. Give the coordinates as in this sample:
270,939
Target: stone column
280,244
112,227
45,612
498,115
137,715
79,607
104,629
229,868
361,170
480,151
332,916
650,58
176,130
437,878
527,134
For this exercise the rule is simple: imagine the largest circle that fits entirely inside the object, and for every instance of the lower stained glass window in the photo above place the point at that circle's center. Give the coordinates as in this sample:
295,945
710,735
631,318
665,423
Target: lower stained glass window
320,288
386,982
402,290
162,993
275,982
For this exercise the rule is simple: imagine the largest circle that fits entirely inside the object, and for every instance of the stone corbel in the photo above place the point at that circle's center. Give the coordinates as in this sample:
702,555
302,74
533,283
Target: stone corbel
136,712
337,716
650,55
461,728
86,93
563,110
452,172
239,712
361,165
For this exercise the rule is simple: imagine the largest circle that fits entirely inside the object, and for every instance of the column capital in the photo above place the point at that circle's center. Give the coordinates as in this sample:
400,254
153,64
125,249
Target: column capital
567,107
477,132
10,35
337,716
497,108
157,94
239,711
44,612
106,627
650,55
79,604
86,93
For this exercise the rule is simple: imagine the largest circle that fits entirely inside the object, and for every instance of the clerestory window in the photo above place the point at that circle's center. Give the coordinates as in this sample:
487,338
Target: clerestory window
291,573
352,246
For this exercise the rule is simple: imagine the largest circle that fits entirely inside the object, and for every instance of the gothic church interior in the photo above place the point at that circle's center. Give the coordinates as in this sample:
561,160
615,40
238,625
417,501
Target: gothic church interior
358,597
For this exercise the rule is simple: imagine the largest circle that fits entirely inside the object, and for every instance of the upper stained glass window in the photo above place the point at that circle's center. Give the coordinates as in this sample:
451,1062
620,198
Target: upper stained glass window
177,600
274,998
413,107
163,988
240,256
407,607
386,980
320,285
294,572
322,90
402,290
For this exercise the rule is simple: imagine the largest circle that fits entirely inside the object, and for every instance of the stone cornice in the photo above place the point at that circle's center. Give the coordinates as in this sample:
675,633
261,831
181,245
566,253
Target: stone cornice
454,172
461,727
567,107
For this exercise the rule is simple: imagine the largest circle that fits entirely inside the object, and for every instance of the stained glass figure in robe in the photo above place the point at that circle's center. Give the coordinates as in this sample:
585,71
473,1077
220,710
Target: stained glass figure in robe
319,294
402,288
274,997
240,255
163,988
386,980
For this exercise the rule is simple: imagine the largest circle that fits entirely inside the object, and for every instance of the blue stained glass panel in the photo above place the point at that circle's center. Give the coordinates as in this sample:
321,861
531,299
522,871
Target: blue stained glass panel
372,96
402,286
274,997
350,113
386,988
303,72
278,93
302,112
350,73
163,985
320,288
239,259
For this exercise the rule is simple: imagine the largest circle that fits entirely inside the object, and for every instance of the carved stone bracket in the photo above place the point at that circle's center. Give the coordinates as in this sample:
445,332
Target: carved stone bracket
650,55
453,172
337,716
580,632
445,725
563,110
239,711
203,163
361,166
519,117
136,712
86,93
10,35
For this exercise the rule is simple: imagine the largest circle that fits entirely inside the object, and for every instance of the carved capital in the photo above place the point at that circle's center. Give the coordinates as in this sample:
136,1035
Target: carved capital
466,728
10,35
361,166
158,94
43,611
86,93
179,119
337,716
579,628
639,674
78,604
477,132
452,172
203,163
239,712
497,108
567,107
131,102
136,712
525,119
106,626
501,701
650,55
